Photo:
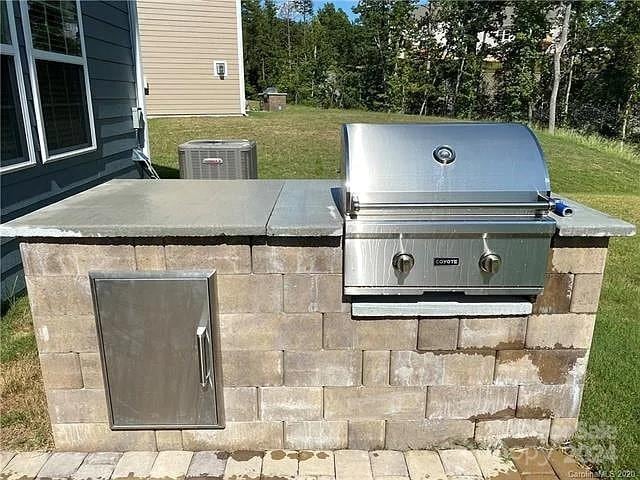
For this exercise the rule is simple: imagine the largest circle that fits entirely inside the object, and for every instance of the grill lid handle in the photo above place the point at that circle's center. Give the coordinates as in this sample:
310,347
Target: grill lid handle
544,203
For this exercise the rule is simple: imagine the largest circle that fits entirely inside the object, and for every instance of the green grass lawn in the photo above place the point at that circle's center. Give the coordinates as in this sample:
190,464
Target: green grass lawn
24,422
305,143
612,393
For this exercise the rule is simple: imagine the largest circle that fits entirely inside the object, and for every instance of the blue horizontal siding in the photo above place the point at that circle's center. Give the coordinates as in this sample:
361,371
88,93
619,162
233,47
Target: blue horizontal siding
99,30
105,70
110,62
47,189
122,143
101,50
112,89
10,254
114,126
108,13
112,108
12,275
121,5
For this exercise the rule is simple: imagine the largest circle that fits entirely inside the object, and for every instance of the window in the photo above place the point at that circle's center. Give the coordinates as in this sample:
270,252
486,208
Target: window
59,76
64,106
5,34
16,147
54,27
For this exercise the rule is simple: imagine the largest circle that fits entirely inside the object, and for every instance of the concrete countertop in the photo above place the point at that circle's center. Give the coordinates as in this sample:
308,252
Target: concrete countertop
307,208
587,222
201,208
155,208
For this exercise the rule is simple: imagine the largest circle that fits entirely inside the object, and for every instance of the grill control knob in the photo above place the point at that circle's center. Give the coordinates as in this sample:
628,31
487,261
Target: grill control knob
490,262
403,262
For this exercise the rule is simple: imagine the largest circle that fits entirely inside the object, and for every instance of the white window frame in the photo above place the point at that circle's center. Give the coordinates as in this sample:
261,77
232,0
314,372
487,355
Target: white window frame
34,54
13,51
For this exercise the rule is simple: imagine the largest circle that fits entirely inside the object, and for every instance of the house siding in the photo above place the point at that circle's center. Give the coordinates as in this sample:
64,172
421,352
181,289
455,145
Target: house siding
180,42
111,68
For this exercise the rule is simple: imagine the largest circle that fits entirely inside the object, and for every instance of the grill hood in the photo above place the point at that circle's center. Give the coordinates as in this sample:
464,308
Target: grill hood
397,165
454,208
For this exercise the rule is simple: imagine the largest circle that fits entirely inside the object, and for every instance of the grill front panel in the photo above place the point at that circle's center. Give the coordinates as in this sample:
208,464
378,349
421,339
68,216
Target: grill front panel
446,262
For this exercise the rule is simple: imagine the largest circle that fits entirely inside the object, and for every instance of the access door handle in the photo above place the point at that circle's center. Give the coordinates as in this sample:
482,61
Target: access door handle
202,338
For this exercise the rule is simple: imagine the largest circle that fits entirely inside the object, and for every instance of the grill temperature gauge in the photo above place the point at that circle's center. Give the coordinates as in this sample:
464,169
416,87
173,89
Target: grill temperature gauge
444,154
490,262
403,262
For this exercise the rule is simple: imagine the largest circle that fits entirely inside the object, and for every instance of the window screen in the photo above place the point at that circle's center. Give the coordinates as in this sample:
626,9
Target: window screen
5,34
54,27
13,144
64,106
13,148
63,99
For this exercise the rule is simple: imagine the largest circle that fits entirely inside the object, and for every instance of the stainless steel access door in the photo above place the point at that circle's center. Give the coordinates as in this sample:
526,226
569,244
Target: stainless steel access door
159,346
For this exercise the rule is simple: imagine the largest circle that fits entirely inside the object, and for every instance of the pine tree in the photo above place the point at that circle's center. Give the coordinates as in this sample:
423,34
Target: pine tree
466,25
432,59
387,28
523,60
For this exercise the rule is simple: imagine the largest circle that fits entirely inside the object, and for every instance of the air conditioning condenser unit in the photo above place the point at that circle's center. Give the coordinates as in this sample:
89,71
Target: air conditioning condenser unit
218,159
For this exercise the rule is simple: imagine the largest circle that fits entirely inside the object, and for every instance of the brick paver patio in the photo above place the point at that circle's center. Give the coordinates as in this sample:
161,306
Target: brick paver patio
451,464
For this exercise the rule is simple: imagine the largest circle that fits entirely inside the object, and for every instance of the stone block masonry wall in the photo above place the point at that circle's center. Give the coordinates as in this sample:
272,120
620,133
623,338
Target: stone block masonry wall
300,373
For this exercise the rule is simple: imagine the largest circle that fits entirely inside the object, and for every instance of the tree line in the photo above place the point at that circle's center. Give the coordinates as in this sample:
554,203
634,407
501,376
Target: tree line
572,63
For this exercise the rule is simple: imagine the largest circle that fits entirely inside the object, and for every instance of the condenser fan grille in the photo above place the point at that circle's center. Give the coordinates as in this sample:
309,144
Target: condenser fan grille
218,159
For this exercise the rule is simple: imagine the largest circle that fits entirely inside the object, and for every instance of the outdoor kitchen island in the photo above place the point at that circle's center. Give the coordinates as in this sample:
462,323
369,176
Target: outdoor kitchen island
297,370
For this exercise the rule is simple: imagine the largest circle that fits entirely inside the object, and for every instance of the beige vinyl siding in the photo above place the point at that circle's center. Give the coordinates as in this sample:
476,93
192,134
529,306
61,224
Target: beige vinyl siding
179,42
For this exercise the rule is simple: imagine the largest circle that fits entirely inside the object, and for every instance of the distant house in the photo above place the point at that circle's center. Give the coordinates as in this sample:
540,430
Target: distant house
71,87
493,38
192,55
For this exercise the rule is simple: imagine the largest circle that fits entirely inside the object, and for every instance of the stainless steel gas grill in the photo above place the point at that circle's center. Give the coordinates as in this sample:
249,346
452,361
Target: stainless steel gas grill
457,207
